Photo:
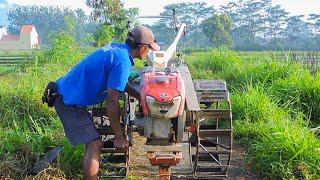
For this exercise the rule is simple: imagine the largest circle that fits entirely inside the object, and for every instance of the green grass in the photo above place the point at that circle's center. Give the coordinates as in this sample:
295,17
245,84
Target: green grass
281,79
6,69
278,144
275,103
28,128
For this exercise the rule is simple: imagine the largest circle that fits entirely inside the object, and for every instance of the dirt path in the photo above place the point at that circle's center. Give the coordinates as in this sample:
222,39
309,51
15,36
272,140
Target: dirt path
141,168
237,170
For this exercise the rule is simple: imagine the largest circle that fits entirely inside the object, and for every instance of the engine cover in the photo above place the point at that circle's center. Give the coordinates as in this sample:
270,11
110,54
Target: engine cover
162,93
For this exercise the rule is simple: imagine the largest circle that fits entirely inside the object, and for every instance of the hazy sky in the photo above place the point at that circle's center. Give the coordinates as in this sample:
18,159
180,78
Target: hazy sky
293,6
154,7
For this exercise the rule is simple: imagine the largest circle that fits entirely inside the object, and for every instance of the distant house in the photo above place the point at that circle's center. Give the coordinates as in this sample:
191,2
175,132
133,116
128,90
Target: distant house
27,40
3,32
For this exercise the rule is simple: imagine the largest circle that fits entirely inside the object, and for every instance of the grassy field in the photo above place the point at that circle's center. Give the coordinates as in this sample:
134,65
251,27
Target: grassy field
16,62
275,107
5,69
276,111
28,128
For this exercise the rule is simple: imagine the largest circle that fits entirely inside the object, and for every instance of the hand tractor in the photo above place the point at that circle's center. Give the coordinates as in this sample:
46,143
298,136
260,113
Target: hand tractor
183,118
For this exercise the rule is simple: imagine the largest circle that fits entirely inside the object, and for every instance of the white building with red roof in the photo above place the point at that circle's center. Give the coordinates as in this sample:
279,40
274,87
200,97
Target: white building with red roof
3,31
27,40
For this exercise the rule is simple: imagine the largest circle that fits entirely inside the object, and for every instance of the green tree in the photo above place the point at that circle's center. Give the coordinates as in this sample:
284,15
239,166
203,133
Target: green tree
315,23
217,29
104,35
162,33
317,34
252,11
294,31
249,21
112,13
70,26
232,9
277,20
190,13
82,26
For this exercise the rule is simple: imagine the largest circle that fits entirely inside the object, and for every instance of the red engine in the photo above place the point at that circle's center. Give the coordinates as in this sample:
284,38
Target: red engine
162,93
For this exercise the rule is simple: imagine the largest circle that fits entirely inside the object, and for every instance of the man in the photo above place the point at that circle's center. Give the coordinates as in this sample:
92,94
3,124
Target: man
99,76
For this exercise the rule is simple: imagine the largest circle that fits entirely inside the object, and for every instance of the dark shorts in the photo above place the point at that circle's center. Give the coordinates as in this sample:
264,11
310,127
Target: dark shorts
77,123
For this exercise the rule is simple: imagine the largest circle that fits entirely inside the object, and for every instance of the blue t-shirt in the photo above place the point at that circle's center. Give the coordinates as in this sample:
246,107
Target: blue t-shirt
87,82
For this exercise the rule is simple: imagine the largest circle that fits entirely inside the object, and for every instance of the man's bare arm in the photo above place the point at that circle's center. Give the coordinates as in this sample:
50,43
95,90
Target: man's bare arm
113,111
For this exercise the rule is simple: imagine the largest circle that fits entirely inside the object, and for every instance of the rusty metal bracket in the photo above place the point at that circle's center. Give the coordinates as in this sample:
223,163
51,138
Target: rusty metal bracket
192,128
165,161
164,172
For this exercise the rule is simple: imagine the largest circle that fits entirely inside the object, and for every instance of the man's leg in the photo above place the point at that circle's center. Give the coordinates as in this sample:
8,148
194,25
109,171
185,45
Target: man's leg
79,129
92,159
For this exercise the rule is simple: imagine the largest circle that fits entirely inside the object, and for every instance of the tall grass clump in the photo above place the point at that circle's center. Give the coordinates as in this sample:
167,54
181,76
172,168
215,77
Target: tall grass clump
287,151
253,105
279,145
302,91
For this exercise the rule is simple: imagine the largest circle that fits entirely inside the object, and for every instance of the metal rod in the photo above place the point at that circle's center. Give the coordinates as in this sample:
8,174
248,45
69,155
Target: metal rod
216,143
202,147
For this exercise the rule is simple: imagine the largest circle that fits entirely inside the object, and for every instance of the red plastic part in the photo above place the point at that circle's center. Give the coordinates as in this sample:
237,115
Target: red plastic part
164,159
163,87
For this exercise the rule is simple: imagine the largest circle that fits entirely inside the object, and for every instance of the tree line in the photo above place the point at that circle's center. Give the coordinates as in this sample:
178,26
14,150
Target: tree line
241,25
257,24
244,25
